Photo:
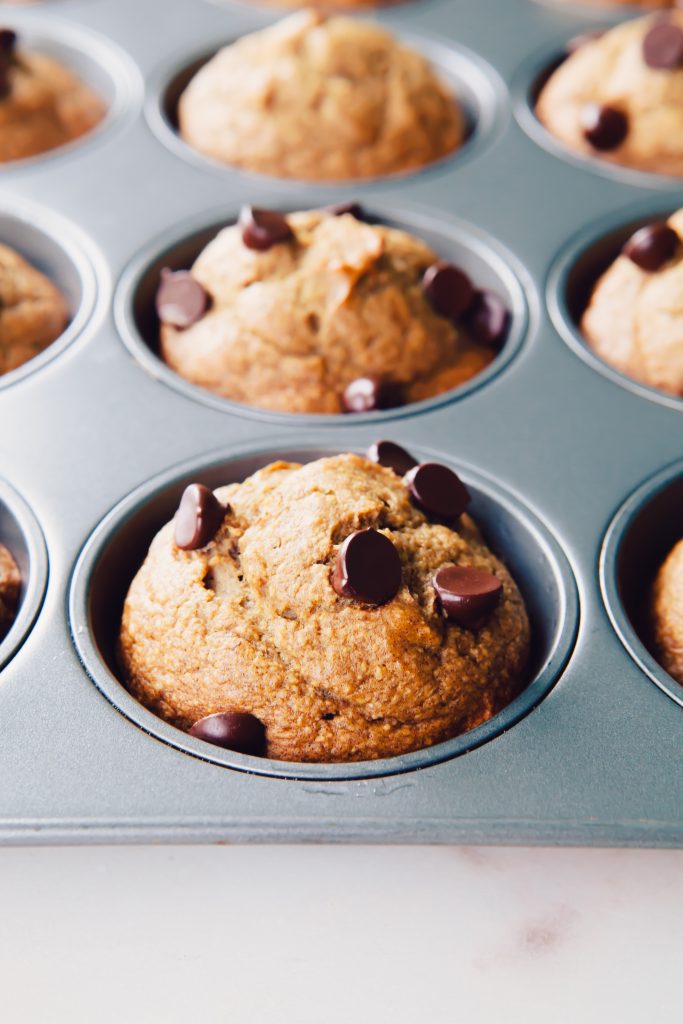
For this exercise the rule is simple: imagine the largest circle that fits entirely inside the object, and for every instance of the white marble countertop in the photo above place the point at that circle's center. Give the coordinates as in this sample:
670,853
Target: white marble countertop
320,935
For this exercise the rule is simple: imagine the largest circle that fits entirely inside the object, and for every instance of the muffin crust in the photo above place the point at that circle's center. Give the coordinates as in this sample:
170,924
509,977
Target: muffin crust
251,622
320,99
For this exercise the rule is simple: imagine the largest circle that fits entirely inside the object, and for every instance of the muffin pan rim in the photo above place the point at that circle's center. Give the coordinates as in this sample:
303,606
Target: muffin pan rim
523,90
414,218
33,588
62,39
80,253
493,111
585,240
615,536
537,690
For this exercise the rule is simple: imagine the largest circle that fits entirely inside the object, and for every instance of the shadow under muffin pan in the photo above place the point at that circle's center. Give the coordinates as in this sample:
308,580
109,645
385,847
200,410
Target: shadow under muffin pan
118,546
475,84
57,250
22,536
640,537
526,87
488,264
97,61
576,272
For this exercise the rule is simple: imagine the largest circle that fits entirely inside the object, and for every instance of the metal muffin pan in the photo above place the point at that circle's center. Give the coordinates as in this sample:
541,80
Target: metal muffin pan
552,445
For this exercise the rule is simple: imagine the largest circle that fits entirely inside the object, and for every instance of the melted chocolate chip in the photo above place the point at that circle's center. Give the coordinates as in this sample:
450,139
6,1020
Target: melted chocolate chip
355,209
180,301
392,456
437,490
198,518
604,127
488,321
368,568
371,394
5,84
8,41
652,246
663,46
467,597
448,289
234,730
262,229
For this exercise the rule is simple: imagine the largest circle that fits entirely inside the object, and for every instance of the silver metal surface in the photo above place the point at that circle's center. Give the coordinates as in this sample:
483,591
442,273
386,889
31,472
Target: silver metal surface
97,436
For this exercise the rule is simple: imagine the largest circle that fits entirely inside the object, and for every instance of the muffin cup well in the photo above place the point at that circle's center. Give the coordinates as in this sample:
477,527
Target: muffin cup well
526,86
575,273
474,83
488,264
118,546
638,540
59,251
22,536
96,60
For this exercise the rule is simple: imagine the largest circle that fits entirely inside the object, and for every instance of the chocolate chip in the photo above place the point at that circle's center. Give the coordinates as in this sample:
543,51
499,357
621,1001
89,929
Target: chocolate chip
371,394
234,730
578,42
355,209
367,568
604,127
5,84
448,289
652,246
262,229
198,518
181,301
488,320
437,490
392,456
467,596
663,46
8,40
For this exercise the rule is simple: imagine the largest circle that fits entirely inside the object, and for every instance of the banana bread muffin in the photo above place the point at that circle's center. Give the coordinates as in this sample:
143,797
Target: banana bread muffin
33,313
334,611
320,312
620,95
10,587
320,99
42,104
634,320
667,613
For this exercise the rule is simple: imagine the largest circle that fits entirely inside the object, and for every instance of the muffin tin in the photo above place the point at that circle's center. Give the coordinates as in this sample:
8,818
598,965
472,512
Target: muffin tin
576,471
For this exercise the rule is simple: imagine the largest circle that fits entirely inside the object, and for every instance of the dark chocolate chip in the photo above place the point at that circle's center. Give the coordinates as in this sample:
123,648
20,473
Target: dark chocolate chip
392,456
467,597
371,394
8,40
262,229
5,84
652,246
355,209
198,518
437,490
449,290
368,568
663,46
181,301
604,127
578,42
234,730
488,320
